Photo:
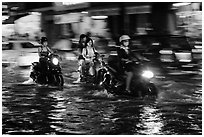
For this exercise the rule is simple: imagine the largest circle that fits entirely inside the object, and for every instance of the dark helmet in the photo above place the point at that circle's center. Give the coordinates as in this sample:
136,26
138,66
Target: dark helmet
43,39
82,36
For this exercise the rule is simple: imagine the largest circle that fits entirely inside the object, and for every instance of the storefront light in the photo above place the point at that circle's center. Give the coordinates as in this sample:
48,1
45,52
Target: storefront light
5,17
35,13
14,8
70,3
182,16
181,4
4,6
99,17
84,12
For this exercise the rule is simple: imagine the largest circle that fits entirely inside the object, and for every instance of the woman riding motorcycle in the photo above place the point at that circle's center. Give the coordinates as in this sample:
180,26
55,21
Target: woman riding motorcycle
82,42
126,58
44,51
89,53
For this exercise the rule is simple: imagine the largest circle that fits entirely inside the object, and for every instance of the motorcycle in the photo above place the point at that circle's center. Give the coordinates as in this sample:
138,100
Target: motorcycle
86,74
47,70
141,84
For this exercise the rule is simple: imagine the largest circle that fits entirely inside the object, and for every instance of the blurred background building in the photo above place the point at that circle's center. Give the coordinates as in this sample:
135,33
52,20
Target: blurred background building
67,20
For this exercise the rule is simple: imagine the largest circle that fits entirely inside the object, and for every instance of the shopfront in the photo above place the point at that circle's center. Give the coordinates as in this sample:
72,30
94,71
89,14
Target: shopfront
124,18
189,19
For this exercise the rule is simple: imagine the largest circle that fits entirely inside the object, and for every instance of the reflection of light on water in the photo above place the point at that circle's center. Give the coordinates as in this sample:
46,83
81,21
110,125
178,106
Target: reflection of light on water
63,115
59,107
103,93
58,111
151,121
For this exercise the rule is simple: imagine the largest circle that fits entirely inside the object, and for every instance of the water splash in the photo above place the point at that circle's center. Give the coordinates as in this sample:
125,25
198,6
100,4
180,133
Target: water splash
103,93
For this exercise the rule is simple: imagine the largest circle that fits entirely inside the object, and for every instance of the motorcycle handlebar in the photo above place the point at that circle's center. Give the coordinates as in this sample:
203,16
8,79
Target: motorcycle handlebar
138,62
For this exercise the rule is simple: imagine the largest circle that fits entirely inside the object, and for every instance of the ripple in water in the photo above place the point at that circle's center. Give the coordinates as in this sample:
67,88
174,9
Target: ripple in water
75,110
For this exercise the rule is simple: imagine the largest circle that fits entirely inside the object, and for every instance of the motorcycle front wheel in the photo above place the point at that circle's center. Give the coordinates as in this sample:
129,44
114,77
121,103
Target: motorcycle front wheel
152,89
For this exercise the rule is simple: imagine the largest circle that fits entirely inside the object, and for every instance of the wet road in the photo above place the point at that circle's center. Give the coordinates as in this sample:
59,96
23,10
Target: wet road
77,109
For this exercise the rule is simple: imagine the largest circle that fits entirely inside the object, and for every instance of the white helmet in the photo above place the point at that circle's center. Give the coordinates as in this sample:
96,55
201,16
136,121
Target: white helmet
124,37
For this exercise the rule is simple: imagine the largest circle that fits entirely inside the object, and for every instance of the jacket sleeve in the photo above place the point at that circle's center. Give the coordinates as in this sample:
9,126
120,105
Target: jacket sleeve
39,50
120,53
83,53
79,48
94,49
138,56
49,49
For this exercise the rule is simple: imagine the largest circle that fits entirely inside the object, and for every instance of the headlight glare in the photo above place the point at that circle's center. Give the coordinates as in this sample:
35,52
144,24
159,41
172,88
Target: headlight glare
148,74
55,61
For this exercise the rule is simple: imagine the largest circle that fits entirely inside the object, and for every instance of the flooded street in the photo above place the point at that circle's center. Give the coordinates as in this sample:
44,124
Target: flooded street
79,109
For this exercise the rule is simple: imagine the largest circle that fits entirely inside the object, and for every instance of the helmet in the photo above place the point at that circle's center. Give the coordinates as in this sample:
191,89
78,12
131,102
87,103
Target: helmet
81,37
43,39
124,37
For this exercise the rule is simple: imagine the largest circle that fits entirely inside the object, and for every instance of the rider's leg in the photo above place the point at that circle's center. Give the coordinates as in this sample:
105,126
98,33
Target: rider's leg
128,80
91,69
80,63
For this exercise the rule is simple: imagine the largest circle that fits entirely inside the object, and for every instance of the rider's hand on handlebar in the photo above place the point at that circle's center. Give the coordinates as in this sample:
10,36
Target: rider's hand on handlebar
126,60
145,59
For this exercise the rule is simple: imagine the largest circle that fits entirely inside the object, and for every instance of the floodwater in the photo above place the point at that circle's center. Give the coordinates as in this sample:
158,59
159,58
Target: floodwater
79,109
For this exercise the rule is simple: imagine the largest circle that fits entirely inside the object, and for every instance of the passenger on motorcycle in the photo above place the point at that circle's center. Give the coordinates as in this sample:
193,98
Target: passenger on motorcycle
89,53
126,58
82,41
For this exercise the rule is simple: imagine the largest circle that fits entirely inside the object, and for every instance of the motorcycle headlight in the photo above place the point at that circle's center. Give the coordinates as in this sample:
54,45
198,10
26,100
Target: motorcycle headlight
55,61
148,74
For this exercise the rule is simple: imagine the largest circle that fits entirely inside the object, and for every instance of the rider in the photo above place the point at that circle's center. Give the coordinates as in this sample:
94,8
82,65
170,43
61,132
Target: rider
88,53
82,42
44,50
125,57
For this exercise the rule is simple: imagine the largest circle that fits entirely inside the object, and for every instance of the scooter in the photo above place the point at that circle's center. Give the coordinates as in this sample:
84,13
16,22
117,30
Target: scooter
141,84
47,70
86,76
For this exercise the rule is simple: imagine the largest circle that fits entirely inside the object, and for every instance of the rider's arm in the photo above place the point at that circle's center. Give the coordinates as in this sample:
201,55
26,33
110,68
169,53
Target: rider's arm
121,54
140,57
83,52
79,49
39,50
95,51
49,49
